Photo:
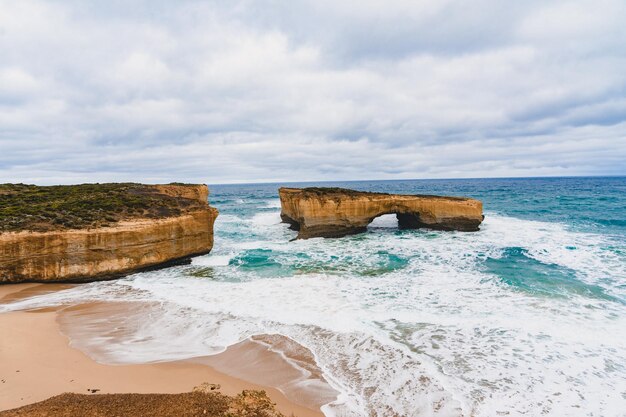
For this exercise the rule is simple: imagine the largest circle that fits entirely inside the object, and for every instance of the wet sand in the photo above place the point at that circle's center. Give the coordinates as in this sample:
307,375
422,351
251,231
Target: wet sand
36,362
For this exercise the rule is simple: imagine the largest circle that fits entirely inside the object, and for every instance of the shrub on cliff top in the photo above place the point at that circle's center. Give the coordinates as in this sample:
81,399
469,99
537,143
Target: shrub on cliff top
36,208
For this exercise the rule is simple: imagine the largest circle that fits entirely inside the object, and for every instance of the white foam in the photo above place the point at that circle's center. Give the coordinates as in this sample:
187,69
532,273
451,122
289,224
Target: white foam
212,260
266,219
228,218
384,221
273,203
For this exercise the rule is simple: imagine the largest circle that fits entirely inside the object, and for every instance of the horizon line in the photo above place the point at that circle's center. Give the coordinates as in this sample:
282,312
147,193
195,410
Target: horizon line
420,179
333,181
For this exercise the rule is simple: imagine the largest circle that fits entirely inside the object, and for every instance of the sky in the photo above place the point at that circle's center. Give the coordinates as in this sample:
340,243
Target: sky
263,91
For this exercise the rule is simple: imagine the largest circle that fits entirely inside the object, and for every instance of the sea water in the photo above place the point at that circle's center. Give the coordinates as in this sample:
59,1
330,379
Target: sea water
526,317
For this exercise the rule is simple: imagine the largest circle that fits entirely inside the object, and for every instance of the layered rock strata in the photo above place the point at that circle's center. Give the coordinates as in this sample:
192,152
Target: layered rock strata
120,248
336,212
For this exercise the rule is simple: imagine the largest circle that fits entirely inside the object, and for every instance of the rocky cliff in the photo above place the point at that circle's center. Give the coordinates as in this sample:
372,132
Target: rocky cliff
336,212
147,226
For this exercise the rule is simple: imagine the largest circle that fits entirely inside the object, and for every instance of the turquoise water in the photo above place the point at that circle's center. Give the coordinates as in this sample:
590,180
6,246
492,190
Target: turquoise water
525,317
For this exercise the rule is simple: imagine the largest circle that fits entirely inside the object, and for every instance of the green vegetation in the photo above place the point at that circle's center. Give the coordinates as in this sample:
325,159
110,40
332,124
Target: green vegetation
334,192
35,208
321,191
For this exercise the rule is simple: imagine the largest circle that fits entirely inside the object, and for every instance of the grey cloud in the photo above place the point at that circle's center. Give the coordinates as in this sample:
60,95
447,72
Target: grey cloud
252,91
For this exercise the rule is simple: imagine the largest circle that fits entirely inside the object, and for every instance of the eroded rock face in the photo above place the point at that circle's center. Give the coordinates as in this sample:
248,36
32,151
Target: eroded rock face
336,212
198,192
108,252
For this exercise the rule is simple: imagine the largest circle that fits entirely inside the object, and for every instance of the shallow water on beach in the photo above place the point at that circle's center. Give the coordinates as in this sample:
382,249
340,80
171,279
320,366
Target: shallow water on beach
525,317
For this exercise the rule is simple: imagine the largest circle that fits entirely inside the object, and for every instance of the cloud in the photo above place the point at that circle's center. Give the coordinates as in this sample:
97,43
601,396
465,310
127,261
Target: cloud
229,91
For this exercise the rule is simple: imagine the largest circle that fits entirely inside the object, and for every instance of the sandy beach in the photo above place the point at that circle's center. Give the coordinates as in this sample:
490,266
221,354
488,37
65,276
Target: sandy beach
37,362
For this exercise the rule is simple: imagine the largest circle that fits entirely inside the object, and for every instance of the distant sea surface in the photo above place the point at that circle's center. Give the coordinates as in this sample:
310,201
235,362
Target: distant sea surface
526,317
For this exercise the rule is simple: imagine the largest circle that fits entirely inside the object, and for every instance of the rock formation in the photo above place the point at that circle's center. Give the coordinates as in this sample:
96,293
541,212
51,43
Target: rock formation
177,224
336,212
209,403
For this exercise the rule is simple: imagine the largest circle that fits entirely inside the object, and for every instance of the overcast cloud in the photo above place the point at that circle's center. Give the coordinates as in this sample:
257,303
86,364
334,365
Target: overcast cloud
252,91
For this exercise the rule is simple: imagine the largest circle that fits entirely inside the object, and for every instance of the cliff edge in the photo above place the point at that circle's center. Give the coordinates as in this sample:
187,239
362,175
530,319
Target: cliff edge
90,232
336,212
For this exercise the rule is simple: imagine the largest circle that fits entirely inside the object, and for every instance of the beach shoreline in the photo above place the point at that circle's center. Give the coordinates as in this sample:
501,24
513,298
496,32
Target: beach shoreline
37,362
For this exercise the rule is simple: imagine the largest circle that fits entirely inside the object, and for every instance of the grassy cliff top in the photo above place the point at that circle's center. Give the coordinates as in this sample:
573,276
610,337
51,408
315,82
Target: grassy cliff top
334,192
59,207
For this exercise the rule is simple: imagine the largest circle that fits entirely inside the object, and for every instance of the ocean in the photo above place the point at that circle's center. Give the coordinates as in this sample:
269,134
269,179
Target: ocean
526,317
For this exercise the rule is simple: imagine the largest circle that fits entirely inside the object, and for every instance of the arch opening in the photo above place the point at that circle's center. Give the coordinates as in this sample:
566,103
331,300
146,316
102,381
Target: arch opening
396,220
384,221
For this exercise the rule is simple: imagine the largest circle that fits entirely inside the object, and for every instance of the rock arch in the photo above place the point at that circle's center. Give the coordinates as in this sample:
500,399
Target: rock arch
336,212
